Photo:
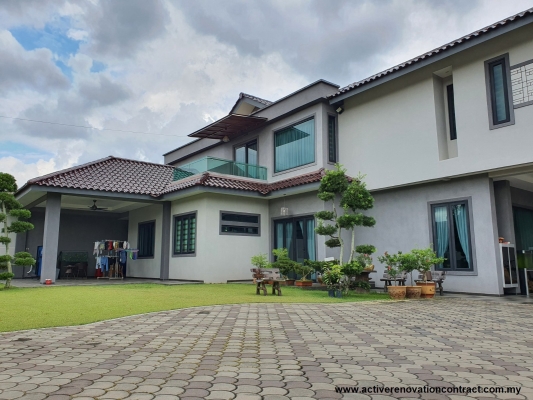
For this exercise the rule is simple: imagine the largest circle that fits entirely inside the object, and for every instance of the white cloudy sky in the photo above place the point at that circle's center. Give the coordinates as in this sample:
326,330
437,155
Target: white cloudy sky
170,67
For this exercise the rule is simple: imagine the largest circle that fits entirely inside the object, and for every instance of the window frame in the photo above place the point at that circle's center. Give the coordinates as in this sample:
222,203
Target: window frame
289,125
453,270
335,138
292,219
175,217
504,59
243,224
450,107
245,145
143,223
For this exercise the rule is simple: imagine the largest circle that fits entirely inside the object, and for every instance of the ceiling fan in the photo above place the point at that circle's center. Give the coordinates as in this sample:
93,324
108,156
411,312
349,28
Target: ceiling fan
94,207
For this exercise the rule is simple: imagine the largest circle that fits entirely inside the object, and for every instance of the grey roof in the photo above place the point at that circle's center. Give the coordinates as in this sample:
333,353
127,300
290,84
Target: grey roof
439,50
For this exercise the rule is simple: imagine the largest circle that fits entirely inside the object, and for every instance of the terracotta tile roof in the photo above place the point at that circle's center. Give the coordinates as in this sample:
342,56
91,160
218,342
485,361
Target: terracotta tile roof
119,175
209,179
434,52
111,174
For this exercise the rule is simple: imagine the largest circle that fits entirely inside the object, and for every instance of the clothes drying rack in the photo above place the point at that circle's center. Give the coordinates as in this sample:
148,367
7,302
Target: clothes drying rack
115,270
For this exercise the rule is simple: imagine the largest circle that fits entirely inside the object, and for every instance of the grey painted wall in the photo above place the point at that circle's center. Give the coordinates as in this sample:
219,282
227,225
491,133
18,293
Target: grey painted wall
77,232
504,210
403,223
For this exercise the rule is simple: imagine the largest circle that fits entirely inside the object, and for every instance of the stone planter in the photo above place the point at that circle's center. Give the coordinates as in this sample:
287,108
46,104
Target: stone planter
331,293
428,289
303,283
396,292
338,294
413,292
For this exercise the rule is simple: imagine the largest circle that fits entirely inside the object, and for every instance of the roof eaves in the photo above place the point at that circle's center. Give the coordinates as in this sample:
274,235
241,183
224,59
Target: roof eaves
298,91
455,46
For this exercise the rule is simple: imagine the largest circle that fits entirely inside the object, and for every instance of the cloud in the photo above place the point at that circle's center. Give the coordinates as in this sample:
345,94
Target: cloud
119,28
21,69
171,67
103,92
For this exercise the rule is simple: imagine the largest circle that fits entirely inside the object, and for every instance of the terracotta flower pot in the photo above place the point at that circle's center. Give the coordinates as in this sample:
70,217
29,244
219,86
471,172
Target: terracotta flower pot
413,292
304,283
396,292
428,289
289,282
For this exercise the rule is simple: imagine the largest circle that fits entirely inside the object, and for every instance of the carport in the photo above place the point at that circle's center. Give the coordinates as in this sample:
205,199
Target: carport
66,219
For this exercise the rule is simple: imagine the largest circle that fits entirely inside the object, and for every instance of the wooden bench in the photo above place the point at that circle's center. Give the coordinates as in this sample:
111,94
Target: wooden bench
400,280
266,276
434,276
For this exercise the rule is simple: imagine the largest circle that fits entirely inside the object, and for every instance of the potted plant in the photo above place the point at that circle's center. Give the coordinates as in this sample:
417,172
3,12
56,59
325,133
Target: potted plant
304,271
365,252
284,264
408,263
392,262
425,259
332,277
361,287
259,261
351,270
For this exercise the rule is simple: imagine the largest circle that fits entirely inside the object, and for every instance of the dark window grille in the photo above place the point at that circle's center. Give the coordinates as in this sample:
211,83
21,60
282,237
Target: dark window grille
451,112
332,139
185,234
146,239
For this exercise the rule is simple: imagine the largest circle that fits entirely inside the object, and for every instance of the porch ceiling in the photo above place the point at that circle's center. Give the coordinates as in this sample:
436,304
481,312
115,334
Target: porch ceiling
83,203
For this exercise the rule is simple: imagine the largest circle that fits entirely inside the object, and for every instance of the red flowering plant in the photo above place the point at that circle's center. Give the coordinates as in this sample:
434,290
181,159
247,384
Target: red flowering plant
392,263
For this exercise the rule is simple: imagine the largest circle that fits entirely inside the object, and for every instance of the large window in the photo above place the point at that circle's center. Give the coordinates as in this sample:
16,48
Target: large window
451,236
146,239
247,153
185,234
332,139
232,223
297,235
294,146
500,101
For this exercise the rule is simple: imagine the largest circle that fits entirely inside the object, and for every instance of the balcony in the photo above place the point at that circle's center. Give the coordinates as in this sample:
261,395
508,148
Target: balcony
220,166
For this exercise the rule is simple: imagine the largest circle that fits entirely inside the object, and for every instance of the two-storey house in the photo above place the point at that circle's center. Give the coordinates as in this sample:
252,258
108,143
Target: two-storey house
443,141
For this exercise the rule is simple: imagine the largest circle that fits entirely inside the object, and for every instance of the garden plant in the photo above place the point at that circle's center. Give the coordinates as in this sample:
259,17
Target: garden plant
12,220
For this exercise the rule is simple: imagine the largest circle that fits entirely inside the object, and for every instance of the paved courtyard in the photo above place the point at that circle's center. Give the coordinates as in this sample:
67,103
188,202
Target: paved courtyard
277,351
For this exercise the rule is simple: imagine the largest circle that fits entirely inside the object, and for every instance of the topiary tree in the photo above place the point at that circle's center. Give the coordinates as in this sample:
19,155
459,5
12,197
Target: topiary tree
353,197
9,207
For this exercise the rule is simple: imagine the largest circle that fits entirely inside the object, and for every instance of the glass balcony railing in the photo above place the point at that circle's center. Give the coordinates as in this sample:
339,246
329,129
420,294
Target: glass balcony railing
220,166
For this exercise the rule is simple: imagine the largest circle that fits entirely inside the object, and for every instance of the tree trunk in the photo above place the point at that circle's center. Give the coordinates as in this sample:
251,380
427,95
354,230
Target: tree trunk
352,250
339,233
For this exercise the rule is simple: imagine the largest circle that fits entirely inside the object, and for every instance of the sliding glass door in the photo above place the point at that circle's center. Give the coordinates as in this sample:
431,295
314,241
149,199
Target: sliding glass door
297,235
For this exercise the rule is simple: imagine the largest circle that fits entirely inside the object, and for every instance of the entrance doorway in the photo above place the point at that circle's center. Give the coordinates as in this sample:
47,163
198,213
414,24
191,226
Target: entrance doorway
297,235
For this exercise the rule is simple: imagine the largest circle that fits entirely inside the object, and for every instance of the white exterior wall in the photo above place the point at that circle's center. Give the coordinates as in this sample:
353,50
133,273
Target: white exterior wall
219,258
148,267
390,132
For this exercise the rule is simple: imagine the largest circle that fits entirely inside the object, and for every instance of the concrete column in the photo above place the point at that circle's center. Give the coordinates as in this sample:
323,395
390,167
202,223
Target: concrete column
504,210
165,241
52,217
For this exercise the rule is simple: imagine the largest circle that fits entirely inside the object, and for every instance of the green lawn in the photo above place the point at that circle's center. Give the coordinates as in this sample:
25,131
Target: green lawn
28,308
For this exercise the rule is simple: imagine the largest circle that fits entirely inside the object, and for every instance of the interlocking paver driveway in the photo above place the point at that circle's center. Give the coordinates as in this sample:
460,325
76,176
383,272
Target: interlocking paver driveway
276,351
